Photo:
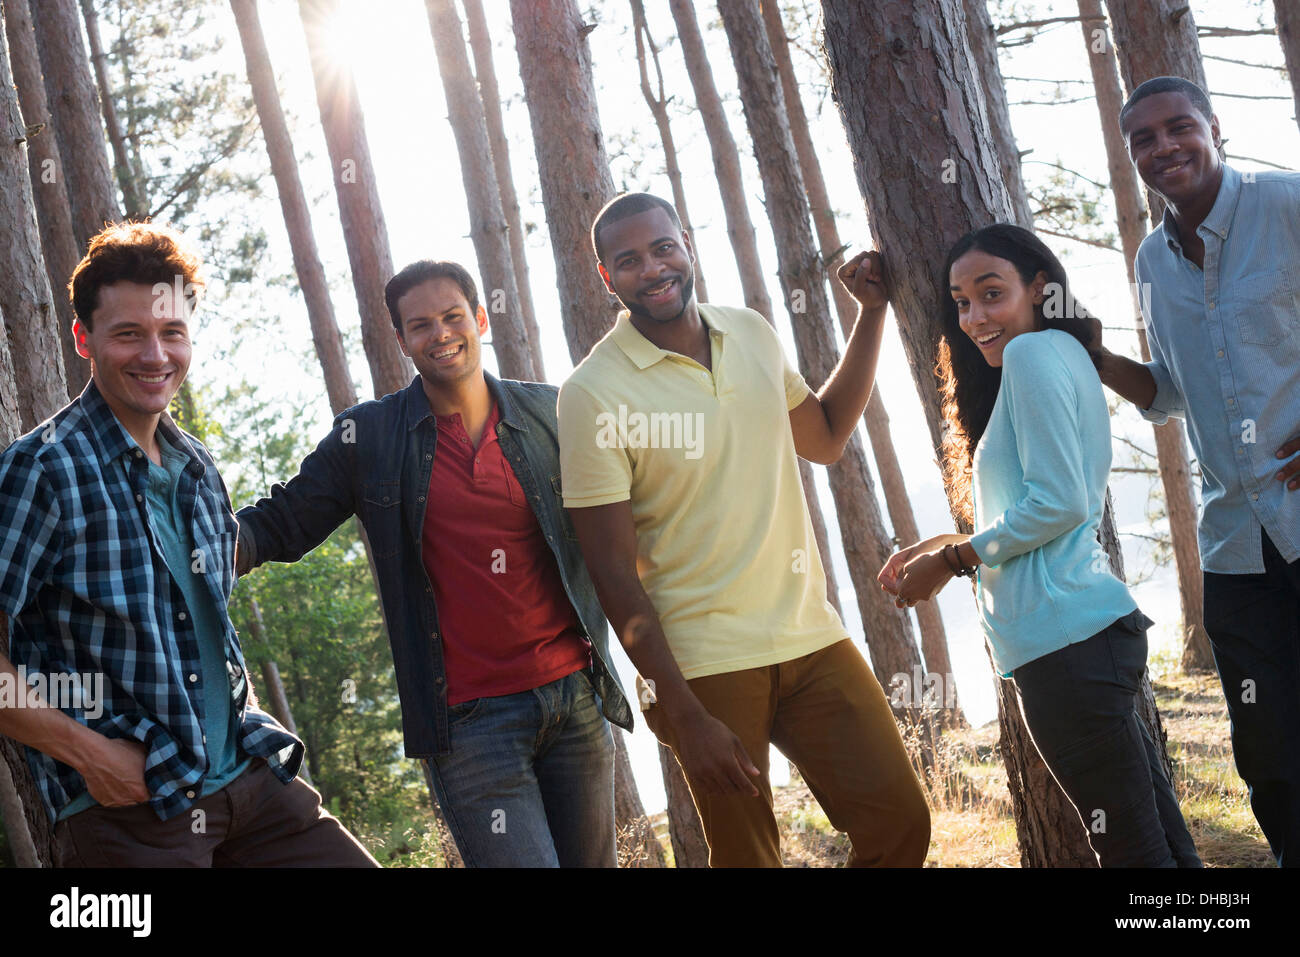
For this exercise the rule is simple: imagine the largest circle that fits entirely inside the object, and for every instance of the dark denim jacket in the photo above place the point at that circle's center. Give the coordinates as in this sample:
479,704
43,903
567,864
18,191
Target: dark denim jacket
376,464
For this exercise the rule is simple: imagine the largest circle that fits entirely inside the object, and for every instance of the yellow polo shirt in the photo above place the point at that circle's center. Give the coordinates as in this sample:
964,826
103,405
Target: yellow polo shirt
725,547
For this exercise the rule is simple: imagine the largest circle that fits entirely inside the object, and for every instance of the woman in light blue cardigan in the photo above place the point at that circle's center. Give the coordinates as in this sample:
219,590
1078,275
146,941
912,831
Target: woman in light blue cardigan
1028,450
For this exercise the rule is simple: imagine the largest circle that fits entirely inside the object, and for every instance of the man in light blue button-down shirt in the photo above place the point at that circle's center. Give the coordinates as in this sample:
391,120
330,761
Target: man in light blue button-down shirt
1220,287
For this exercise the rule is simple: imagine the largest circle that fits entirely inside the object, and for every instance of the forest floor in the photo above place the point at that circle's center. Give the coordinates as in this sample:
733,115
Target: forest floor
971,820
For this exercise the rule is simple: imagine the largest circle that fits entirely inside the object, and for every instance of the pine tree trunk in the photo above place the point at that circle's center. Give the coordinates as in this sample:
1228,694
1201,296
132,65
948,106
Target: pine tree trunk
297,215
74,112
26,303
690,846
928,173
740,230
1287,17
488,228
658,103
485,73
555,63
362,217
934,640
1171,447
14,821
133,203
637,844
984,49
45,172
803,282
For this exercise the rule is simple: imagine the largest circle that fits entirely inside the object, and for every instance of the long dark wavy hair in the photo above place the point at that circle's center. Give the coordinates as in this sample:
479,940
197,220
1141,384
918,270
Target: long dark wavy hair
969,385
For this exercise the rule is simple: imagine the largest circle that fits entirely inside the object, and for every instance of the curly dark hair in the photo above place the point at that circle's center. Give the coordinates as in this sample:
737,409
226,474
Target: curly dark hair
969,385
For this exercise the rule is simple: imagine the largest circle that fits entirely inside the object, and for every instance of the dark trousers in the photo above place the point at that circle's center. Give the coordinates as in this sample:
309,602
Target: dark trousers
254,821
1254,626
1079,705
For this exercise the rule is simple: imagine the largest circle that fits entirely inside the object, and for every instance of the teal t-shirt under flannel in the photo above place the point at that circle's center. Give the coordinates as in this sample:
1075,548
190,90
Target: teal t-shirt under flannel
177,547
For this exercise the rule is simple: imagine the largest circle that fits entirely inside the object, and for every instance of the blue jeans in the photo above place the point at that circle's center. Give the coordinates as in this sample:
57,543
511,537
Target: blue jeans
1254,626
529,780
1079,704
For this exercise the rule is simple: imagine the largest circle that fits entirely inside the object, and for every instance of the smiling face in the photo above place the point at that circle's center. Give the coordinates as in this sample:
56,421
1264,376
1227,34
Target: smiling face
440,333
994,305
647,263
139,348
1174,147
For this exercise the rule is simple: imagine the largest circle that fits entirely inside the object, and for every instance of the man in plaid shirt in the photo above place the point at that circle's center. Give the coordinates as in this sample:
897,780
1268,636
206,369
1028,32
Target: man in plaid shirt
116,564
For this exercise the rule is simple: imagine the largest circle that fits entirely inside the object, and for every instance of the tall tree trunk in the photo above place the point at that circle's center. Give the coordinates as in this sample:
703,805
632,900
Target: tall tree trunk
132,201
740,230
488,228
690,846
1155,38
31,321
74,112
481,44
1287,17
362,217
934,640
1171,448
657,100
891,64
45,171
803,283
555,63
637,844
14,821
984,49
293,205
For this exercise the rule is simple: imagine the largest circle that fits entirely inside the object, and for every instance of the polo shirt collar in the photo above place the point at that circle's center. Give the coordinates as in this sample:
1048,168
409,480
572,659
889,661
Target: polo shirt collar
1220,216
641,350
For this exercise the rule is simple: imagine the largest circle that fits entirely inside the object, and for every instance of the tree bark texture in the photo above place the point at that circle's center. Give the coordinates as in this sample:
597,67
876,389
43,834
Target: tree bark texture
1286,15
325,334
934,640
637,844
555,63
488,229
926,164
803,282
45,172
1171,447
31,321
485,73
360,213
74,113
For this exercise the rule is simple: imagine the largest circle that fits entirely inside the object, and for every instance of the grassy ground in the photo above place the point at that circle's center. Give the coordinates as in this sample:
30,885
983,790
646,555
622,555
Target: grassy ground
971,821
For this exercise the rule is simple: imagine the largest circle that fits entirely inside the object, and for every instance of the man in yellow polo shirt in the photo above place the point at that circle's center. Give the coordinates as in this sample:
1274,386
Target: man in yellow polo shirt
678,441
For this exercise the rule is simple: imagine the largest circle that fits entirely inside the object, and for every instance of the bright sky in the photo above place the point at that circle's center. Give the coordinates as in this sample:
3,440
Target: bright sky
388,45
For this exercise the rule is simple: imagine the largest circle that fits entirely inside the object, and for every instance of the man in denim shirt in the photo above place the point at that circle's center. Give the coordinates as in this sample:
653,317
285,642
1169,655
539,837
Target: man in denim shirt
499,643
116,564
1222,273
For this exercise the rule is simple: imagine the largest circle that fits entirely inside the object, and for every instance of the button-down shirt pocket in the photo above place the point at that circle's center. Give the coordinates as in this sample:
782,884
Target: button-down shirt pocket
382,517
1266,310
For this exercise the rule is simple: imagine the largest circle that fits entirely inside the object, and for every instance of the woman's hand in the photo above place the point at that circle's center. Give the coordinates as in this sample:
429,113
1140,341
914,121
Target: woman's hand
923,577
893,571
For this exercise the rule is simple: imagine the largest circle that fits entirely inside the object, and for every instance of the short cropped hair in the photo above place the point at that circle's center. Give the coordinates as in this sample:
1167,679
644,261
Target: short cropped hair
424,271
143,253
1168,84
621,207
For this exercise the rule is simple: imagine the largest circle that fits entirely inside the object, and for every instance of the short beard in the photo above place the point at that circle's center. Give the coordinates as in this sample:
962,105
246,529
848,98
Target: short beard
688,290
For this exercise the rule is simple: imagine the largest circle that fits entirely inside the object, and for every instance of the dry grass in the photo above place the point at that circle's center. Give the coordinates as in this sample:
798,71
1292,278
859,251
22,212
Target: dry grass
966,786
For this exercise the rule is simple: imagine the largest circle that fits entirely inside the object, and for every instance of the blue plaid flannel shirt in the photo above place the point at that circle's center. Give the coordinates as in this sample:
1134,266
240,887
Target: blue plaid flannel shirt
87,592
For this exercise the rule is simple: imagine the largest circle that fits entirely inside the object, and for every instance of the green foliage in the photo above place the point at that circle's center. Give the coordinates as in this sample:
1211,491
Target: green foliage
320,623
